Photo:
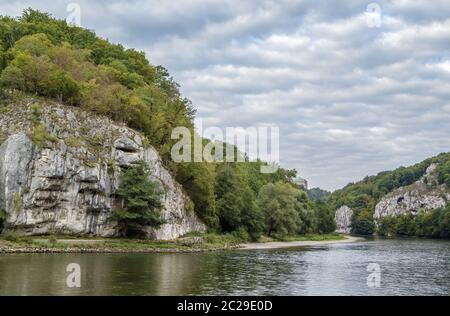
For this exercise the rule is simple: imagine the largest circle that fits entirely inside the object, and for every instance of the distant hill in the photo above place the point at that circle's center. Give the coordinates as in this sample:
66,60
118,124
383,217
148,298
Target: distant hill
392,196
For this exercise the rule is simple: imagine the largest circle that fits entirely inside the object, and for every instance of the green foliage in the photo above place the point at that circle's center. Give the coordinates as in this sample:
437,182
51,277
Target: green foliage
366,193
325,218
237,206
140,201
279,205
41,136
228,198
317,194
2,219
362,223
17,202
197,180
443,171
12,77
362,196
434,224
11,237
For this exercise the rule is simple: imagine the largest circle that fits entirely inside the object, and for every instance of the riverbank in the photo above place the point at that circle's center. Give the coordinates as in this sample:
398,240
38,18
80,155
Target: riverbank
293,244
197,243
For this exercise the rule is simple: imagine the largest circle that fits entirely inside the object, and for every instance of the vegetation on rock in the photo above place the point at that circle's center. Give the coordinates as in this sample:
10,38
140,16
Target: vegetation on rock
434,224
140,198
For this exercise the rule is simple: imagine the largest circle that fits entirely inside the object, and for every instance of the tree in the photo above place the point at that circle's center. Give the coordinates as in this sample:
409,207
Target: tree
316,194
278,204
306,212
3,58
12,78
444,173
35,45
362,223
251,216
140,199
62,86
198,181
228,198
325,218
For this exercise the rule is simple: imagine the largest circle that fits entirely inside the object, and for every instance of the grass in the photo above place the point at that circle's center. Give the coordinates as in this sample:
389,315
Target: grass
187,243
183,244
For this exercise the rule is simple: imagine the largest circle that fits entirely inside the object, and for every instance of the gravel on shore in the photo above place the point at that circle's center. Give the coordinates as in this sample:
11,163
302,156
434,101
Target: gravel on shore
293,244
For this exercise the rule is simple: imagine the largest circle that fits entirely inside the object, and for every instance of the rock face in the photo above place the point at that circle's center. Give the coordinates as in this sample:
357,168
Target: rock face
68,185
343,218
425,195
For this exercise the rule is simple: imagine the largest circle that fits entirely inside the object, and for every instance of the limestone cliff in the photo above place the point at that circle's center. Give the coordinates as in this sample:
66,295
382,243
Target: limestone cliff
425,195
343,218
60,168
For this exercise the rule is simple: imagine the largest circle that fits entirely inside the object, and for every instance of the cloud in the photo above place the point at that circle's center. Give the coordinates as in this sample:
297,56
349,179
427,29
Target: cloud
349,100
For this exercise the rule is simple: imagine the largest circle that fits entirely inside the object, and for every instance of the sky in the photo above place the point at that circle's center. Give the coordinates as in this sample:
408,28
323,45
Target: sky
353,93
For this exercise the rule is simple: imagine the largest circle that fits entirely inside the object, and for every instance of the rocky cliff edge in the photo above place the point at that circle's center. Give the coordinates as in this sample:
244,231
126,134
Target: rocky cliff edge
60,168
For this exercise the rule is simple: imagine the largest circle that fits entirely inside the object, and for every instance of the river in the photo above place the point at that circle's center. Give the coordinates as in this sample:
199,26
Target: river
396,267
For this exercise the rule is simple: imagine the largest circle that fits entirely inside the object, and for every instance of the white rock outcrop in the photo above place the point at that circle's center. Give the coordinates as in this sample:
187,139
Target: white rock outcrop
68,186
424,195
343,218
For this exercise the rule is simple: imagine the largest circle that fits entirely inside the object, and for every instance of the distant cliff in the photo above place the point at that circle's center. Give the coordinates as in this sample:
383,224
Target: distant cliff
396,199
60,168
425,194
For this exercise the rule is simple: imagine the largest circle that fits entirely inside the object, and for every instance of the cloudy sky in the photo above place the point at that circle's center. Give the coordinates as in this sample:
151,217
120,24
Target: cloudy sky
350,99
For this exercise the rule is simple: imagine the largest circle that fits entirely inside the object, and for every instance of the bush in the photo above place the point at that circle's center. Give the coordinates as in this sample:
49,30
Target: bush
387,226
434,224
11,236
41,136
362,223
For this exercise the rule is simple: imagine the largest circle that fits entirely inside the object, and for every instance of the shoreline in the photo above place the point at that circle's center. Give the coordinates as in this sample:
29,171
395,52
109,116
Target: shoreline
294,244
106,250
111,250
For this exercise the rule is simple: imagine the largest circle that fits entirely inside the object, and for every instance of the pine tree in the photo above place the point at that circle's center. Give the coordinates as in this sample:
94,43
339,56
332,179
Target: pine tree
141,199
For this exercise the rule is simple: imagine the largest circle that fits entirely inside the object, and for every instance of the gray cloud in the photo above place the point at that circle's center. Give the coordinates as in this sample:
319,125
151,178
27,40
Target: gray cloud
349,100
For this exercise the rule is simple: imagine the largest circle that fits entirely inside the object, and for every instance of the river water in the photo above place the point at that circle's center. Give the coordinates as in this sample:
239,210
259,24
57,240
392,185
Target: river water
406,267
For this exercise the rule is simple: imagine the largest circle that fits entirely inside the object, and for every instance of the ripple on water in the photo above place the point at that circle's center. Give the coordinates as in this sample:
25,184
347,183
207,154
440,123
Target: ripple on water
408,266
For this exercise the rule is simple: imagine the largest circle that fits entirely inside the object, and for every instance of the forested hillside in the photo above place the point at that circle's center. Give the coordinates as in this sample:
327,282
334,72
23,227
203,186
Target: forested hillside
363,196
42,56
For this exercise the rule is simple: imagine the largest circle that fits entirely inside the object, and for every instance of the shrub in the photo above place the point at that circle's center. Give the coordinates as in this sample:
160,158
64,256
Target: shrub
434,224
11,236
362,223
41,136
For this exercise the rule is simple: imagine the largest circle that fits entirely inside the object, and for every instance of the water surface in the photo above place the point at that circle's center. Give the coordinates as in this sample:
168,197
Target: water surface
408,267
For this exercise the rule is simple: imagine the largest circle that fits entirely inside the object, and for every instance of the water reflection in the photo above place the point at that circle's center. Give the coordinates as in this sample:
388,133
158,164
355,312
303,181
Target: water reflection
408,267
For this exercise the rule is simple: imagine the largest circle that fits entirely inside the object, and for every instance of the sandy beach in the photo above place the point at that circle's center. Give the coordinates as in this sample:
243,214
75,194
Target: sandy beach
292,244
